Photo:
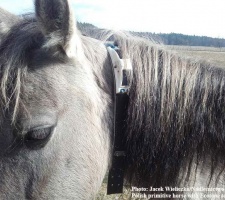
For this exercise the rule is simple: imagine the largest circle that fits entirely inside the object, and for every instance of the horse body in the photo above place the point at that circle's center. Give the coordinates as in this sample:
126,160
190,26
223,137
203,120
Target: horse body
57,112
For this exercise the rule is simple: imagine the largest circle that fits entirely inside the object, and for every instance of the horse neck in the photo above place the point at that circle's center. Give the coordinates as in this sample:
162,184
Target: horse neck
99,61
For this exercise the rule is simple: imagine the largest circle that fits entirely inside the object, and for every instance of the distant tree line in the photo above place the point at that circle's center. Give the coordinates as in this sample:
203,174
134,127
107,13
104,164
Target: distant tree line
184,40
167,39
84,25
191,40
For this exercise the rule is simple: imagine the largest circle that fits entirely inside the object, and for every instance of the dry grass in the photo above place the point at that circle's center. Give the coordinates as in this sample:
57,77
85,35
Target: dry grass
102,195
209,54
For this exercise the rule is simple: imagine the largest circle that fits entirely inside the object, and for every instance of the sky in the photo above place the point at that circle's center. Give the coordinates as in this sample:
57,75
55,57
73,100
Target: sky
191,17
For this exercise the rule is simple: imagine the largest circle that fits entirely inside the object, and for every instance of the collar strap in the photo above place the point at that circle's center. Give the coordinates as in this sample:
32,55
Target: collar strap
121,69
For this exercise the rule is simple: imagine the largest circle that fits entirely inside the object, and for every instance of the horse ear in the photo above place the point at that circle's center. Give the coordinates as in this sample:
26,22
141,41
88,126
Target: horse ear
7,20
56,20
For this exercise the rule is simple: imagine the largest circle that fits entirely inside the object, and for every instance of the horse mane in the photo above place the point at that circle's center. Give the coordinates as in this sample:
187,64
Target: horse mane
175,116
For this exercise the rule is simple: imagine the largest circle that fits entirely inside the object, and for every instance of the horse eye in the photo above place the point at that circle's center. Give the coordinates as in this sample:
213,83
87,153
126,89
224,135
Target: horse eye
38,137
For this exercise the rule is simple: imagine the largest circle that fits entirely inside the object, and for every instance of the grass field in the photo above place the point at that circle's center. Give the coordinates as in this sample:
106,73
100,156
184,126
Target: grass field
210,54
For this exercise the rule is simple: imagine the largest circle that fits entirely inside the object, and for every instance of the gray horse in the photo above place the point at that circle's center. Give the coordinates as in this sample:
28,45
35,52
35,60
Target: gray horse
55,108
56,100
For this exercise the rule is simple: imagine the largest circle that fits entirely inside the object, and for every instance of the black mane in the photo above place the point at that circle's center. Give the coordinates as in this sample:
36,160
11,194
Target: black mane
176,121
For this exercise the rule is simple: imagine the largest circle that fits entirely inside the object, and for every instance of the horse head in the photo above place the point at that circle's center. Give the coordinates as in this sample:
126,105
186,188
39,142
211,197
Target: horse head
55,100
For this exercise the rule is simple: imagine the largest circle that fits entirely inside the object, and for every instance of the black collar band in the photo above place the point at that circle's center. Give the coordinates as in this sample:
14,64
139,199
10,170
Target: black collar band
121,67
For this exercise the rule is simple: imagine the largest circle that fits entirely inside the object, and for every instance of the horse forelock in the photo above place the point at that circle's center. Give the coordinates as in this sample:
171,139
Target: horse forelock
25,43
15,51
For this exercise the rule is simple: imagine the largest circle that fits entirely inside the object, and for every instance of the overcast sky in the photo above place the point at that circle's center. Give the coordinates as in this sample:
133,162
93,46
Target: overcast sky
193,17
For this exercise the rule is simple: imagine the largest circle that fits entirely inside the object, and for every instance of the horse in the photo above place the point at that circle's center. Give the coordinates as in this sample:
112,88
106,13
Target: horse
57,112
